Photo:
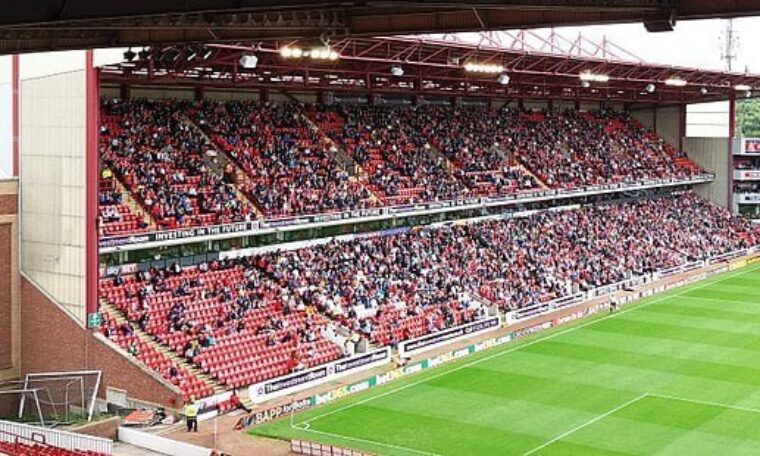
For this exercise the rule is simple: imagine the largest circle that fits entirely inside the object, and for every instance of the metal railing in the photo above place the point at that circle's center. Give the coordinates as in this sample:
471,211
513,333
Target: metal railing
24,433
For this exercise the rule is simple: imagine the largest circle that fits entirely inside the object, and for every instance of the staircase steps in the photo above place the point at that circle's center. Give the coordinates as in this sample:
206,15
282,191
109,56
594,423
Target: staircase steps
348,163
530,173
241,177
355,170
134,206
119,317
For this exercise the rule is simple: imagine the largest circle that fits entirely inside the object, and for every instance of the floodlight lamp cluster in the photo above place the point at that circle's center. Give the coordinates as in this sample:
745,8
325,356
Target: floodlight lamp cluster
316,53
588,76
489,68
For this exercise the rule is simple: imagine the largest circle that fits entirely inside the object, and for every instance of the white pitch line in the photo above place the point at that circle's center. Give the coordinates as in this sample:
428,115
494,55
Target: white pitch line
701,402
371,442
528,344
733,301
585,424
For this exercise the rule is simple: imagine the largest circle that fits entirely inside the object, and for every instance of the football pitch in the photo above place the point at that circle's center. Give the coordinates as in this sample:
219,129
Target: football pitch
676,374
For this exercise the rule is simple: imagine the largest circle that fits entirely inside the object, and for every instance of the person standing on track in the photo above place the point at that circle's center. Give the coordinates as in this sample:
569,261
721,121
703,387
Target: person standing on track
614,303
191,415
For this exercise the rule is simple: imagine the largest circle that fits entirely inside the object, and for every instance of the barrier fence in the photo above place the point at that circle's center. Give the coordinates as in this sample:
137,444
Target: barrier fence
162,238
25,433
320,449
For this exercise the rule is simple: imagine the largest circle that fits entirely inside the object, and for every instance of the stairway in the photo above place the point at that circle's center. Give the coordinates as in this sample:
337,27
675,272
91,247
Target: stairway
355,170
241,177
348,163
134,206
528,172
118,316
435,153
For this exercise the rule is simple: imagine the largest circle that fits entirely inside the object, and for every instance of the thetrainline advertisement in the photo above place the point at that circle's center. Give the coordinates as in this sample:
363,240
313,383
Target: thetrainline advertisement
430,341
269,389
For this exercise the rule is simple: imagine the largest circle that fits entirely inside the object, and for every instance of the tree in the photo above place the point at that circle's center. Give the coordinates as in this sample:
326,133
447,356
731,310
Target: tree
748,118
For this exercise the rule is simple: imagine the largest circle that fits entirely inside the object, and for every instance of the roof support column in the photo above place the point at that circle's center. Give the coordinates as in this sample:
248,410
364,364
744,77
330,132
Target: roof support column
731,135
681,125
92,114
264,95
199,93
16,111
125,91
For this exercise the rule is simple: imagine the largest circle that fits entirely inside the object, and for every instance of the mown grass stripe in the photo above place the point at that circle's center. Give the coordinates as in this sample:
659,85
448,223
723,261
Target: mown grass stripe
497,404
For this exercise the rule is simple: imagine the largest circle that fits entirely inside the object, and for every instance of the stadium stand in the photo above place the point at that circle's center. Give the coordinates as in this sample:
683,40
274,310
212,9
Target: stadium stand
116,217
162,161
253,318
475,140
290,155
38,449
125,336
395,155
290,167
568,149
227,317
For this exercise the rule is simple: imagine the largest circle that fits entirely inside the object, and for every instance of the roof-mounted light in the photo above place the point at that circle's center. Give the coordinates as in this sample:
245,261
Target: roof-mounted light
593,77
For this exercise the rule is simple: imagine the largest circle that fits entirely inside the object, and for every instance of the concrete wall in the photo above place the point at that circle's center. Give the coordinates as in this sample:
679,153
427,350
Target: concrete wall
52,180
227,95
535,105
713,155
54,342
9,281
665,120
707,120
668,124
6,118
645,116
182,93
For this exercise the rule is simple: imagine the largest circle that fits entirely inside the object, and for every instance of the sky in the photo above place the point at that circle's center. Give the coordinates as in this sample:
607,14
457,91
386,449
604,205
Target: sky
692,43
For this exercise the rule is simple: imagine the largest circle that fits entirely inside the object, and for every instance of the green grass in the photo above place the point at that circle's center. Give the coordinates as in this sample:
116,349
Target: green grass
674,374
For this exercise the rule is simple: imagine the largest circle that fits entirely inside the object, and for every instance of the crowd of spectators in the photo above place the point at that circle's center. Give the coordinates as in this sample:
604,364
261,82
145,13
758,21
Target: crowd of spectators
396,155
400,285
228,317
570,149
410,154
161,160
116,217
291,168
475,139
742,163
125,336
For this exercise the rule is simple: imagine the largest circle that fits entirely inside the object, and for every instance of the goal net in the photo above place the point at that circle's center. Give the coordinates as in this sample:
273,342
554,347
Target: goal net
52,398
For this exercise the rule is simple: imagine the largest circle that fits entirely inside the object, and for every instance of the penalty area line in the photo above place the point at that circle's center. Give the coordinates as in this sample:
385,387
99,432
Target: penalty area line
708,403
586,424
366,441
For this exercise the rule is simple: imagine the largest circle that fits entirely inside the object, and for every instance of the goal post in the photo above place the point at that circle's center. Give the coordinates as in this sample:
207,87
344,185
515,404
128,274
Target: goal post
56,396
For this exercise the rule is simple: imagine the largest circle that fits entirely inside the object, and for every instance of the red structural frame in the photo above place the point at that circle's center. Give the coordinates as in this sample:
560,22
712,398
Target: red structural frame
92,100
16,111
731,135
431,67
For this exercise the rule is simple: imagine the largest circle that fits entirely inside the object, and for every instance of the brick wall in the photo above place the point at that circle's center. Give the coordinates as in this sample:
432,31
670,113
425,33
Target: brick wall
107,429
9,309
6,309
52,341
